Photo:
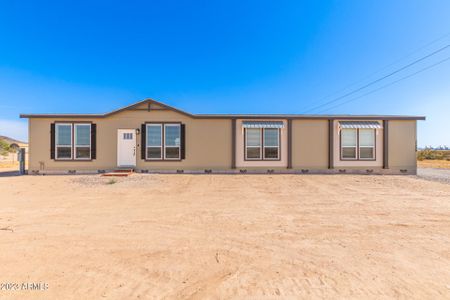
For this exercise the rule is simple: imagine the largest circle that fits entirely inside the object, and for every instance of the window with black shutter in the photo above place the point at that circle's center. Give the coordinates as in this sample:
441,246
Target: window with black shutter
52,141
93,141
143,140
183,141
163,141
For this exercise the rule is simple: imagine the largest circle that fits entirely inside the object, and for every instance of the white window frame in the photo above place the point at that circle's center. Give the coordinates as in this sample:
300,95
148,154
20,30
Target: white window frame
247,146
356,145
372,147
164,139
264,144
160,125
57,145
75,146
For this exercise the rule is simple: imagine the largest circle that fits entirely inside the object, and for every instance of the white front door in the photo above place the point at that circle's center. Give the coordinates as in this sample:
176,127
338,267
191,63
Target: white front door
126,147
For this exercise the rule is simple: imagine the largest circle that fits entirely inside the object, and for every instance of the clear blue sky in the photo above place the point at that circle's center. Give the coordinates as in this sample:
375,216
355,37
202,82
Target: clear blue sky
223,57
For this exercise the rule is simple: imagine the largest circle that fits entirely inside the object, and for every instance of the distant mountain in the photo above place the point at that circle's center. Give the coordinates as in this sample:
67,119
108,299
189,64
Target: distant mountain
11,140
441,147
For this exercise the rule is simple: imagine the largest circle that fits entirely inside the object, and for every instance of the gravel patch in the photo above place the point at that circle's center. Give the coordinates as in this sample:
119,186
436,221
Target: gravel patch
441,175
134,180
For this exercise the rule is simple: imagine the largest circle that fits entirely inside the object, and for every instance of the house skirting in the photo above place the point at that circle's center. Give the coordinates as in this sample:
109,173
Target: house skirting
305,171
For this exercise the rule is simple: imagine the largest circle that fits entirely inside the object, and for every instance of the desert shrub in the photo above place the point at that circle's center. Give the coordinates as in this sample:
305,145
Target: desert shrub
4,147
446,154
111,181
431,154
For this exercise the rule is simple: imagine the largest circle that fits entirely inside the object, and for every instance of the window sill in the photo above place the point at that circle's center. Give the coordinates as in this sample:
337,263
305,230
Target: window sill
71,159
354,159
154,160
266,159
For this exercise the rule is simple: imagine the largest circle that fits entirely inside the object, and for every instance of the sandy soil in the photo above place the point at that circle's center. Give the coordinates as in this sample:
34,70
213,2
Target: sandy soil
439,164
225,236
8,165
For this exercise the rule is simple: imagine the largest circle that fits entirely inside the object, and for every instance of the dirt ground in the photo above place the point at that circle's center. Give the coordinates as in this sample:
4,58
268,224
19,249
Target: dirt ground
225,236
8,165
439,164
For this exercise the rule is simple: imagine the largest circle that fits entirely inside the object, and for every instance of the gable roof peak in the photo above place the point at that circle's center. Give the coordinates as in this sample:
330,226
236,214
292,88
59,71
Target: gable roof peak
149,101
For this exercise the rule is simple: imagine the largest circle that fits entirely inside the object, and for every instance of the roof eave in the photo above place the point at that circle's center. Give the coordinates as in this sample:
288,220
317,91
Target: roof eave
106,114
60,116
227,116
319,117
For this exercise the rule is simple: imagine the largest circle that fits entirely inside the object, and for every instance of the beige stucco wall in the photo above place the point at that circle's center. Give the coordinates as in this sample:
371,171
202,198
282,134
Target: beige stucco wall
402,144
378,162
241,163
207,142
310,144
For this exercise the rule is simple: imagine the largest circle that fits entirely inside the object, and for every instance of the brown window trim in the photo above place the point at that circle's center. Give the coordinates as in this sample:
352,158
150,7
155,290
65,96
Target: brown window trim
73,142
262,146
163,142
358,147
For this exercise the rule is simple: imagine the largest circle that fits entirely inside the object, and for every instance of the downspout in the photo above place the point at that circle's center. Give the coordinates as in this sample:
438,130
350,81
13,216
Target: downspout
385,144
330,144
233,143
289,143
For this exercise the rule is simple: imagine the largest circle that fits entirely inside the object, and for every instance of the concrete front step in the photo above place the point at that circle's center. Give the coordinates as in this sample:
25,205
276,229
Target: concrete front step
119,173
114,174
123,171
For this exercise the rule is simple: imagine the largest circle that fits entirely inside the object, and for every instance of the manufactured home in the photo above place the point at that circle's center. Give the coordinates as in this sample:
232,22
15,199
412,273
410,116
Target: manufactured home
153,137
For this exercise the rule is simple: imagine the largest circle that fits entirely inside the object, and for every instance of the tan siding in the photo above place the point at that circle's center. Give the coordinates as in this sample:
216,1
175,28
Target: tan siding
31,142
402,144
208,142
310,144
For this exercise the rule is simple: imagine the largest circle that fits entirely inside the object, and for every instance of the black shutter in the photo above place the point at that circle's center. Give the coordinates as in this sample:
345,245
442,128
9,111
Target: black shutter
183,141
52,141
93,141
143,140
